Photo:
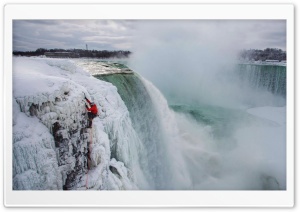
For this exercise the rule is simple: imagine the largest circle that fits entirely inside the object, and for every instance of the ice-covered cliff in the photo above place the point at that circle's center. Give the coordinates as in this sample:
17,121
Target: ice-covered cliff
52,148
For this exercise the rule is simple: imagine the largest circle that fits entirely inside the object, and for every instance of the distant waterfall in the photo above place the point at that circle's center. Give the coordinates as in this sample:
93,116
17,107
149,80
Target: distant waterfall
265,77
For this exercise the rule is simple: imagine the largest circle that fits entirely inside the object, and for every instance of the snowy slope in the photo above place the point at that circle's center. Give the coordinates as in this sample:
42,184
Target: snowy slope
51,143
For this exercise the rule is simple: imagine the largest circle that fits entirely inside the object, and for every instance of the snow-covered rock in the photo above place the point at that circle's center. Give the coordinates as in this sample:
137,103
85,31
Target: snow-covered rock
52,148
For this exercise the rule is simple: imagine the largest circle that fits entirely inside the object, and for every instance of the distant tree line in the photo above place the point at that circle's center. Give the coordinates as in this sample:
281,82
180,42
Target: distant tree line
263,55
79,52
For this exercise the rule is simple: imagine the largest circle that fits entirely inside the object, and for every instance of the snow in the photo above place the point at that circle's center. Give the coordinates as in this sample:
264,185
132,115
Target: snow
277,63
34,158
95,67
48,91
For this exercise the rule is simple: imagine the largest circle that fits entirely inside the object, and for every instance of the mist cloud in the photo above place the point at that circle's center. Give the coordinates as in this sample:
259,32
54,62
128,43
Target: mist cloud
191,59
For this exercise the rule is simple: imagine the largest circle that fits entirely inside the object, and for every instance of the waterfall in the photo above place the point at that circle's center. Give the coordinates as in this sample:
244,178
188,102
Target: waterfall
264,77
152,121
138,142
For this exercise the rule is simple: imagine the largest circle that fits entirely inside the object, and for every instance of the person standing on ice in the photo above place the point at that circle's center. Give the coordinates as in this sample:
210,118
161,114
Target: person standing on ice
92,111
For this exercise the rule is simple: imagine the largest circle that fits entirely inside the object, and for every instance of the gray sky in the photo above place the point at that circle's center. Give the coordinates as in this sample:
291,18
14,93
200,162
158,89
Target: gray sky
28,35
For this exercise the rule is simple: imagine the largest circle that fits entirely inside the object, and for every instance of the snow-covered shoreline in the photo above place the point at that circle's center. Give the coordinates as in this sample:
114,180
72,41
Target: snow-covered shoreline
276,63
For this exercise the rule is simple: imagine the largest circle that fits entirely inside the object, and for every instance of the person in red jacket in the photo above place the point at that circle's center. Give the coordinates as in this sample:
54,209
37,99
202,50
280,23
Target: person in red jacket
92,111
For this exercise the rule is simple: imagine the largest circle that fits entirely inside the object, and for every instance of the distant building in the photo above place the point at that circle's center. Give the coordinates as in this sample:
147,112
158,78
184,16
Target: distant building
62,54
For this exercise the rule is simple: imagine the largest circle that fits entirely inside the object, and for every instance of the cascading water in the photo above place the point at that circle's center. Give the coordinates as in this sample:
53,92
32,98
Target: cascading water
225,124
264,77
147,122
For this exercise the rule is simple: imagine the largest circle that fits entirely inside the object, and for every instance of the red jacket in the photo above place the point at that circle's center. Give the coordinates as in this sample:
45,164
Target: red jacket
93,108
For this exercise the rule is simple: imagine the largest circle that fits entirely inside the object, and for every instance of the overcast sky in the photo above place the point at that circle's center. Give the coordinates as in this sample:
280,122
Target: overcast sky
28,35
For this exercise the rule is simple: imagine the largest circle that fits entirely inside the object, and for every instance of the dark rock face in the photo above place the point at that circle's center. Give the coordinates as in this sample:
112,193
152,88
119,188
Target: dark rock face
33,110
55,132
72,146
115,171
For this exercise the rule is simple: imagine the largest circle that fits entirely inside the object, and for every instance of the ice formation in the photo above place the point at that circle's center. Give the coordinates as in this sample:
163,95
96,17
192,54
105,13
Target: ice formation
52,149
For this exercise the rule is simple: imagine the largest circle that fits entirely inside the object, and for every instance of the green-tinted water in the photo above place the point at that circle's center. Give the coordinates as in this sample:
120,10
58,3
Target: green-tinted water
145,122
223,121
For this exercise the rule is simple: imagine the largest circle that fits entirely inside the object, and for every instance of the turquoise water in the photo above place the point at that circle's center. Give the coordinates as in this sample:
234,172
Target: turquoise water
222,120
